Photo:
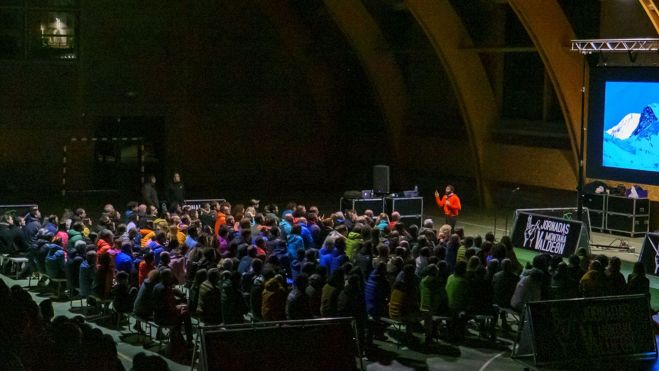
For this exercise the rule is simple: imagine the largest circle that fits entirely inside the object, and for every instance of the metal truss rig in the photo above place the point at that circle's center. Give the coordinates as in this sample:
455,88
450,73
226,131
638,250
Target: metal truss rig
614,45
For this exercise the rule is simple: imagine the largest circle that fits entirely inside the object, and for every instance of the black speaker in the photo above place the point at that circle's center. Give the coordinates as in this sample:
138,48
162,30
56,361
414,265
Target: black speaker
627,223
381,179
406,205
594,201
596,219
626,205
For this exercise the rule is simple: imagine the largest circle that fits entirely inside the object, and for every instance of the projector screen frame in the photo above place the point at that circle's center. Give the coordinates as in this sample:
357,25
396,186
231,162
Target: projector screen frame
595,169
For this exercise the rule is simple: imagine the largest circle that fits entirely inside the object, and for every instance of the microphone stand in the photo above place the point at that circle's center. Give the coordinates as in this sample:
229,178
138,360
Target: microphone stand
495,222
507,204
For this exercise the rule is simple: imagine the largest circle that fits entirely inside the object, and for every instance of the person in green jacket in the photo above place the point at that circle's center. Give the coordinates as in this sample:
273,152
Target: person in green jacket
430,290
457,287
434,300
354,241
462,250
75,235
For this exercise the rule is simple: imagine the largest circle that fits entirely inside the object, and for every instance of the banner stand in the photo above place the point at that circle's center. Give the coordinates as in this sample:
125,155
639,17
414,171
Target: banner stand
541,231
197,204
523,345
555,332
230,347
649,254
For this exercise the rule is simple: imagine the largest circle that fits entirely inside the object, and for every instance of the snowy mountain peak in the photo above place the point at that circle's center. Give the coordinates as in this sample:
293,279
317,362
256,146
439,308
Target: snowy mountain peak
626,126
648,120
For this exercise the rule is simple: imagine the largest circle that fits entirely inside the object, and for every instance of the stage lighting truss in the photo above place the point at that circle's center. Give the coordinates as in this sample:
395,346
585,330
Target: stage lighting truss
614,45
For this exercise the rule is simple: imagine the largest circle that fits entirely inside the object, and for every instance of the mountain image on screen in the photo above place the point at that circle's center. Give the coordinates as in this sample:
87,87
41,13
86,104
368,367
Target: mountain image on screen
634,142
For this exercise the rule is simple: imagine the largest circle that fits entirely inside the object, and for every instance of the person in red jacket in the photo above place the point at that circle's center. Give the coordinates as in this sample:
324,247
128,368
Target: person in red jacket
450,202
104,242
221,217
145,267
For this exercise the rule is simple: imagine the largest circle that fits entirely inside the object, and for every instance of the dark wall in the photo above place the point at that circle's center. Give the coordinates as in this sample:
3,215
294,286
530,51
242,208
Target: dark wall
244,107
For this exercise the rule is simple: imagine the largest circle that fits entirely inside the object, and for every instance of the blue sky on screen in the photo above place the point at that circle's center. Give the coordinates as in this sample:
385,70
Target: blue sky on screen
623,97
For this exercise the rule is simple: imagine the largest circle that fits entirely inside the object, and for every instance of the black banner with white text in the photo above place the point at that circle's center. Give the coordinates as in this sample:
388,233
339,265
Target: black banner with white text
546,234
649,255
560,331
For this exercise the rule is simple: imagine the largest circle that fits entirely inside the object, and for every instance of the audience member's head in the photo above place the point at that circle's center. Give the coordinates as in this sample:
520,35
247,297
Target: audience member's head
461,268
214,276
639,268
166,277
507,266
142,362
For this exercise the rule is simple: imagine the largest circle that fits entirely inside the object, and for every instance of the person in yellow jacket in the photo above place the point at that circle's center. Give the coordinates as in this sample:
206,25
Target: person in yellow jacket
403,303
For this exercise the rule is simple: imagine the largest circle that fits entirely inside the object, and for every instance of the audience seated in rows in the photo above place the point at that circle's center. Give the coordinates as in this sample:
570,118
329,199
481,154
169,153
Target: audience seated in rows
238,260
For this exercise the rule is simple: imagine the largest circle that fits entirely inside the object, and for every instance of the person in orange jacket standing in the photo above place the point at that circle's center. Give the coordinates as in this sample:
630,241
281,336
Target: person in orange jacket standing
450,202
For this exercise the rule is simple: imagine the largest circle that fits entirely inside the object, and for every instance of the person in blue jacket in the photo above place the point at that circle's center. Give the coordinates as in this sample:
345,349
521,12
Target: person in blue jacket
280,252
286,225
123,261
157,245
55,260
87,274
339,256
376,296
32,224
296,264
305,233
452,251
294,241
376,292
75,259
325,254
